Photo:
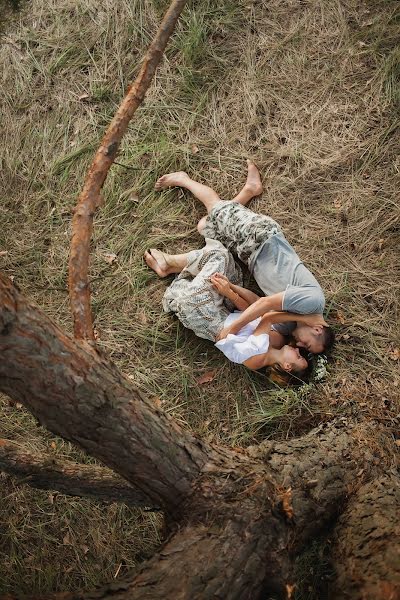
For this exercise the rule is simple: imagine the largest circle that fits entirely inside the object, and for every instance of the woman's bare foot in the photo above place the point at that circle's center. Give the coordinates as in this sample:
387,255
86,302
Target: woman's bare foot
158,261
178,179
253,183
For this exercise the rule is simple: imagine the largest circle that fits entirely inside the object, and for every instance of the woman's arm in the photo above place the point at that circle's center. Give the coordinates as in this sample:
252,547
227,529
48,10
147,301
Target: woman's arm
258,309
223,287
247,295
244,293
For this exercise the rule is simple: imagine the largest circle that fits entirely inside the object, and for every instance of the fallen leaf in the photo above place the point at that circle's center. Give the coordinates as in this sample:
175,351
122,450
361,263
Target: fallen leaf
157,402
53,445
395,354
286,497
142,318
206,378
397,442
289,590
194,148
337,203
67,540
340,317
110,257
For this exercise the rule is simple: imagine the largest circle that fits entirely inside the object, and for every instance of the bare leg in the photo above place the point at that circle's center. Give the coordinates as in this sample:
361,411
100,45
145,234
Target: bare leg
252,187
205,194
165,264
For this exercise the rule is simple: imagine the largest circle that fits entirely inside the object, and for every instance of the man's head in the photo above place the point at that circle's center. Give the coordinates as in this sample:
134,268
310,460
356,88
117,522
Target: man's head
315,339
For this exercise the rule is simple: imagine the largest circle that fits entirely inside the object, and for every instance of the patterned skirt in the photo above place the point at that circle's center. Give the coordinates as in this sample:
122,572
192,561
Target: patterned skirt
192,297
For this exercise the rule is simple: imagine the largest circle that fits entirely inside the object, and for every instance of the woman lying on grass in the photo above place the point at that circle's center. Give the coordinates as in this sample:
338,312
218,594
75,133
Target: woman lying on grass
207,296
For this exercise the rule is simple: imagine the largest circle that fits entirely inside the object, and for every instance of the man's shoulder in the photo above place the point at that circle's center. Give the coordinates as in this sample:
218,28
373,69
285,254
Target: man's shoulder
305,299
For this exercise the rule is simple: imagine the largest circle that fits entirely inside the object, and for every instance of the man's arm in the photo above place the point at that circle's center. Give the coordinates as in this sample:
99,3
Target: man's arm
255,310
286,317
263,307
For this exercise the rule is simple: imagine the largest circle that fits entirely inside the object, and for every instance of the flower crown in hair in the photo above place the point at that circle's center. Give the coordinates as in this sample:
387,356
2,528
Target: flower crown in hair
319,364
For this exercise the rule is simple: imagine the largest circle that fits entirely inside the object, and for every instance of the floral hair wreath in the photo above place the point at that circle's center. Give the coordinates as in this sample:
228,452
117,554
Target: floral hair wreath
319,364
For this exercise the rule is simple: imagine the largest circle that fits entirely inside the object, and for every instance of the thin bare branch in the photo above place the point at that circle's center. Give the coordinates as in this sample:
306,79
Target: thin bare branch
49,473
90,198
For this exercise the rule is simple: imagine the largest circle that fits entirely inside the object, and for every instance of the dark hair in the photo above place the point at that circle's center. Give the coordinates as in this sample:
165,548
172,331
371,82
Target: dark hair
328,337
285,378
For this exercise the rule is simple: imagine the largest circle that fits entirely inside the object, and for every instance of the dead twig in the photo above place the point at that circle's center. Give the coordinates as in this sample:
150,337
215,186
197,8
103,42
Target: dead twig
90,198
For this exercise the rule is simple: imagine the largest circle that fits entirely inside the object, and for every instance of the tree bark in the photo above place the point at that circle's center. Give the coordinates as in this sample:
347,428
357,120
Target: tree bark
236,518
49,473
78,394
324,468
367,544
90,199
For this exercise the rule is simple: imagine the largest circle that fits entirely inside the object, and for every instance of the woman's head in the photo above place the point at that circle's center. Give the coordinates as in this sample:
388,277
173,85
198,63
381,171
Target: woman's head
291,360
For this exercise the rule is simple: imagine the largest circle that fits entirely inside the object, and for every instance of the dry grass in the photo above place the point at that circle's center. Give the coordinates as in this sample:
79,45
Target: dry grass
309,90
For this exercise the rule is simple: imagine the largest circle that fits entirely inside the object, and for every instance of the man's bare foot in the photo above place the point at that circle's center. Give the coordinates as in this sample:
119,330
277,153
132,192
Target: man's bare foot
178,179
158,261
253,183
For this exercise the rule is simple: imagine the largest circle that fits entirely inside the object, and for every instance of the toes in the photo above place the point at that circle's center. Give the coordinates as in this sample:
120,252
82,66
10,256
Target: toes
160,183
152,263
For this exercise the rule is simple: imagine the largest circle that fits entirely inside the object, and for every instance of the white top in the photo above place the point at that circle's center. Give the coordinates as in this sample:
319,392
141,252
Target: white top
238,348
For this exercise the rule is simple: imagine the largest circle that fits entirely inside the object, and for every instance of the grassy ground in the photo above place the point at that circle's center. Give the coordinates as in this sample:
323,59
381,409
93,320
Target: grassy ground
309,91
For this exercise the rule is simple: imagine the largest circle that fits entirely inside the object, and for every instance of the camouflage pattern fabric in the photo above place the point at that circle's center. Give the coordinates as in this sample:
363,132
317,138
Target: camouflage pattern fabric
239,229
191,296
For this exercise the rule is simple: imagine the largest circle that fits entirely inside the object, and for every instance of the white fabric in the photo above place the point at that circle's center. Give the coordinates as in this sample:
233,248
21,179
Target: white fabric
238,348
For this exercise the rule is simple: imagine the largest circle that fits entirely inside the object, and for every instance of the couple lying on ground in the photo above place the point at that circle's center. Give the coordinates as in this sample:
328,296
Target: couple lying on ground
207,295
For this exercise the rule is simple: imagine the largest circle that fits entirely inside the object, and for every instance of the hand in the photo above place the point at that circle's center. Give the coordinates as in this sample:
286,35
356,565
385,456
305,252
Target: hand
314,320
223,334
221,284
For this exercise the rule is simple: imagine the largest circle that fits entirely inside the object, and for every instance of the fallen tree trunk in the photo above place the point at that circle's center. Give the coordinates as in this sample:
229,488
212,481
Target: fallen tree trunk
236,519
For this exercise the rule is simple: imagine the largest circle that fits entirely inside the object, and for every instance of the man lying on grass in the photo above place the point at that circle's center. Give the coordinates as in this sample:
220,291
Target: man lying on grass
259,242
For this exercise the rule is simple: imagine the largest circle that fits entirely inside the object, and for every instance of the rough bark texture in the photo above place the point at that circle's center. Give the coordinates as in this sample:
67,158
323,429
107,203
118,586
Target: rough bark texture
324,468
90,198
49,473
367,549
78,394
236,519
